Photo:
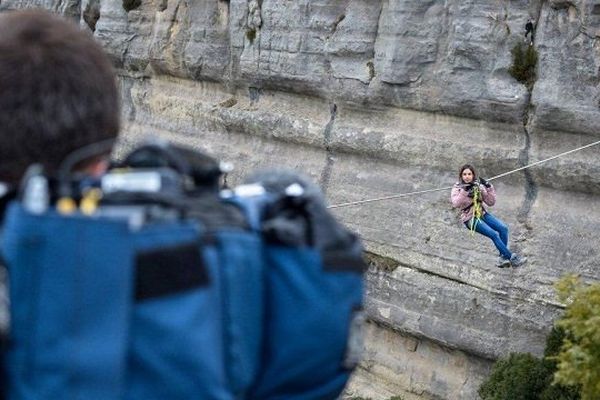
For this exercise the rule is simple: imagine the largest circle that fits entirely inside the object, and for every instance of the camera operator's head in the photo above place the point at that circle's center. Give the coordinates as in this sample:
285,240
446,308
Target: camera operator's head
57,92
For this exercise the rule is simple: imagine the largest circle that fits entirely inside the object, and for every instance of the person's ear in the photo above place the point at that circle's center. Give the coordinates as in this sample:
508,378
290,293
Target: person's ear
97,168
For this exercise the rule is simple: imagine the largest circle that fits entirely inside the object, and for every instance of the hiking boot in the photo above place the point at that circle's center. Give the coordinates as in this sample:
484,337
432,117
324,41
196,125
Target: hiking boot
502,262
516,260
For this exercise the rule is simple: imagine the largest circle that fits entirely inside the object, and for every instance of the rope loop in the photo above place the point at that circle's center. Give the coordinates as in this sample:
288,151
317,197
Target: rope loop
477,209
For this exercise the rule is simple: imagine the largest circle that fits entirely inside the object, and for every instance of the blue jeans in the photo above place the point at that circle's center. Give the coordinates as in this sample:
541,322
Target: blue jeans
495,229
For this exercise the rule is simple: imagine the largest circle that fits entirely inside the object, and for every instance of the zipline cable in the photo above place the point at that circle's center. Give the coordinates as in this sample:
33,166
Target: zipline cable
543,161
397,196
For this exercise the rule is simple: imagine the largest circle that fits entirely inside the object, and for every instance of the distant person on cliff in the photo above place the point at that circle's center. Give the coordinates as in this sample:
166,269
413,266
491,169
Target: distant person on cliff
471,194
529,30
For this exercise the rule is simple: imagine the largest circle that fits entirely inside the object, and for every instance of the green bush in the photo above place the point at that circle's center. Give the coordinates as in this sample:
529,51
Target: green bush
520,376
524,63
554,343
129,5
558,392
523,376
251,34
578,362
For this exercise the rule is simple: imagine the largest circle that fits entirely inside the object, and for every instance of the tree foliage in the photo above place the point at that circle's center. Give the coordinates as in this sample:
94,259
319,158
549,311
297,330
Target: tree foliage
523,376
578,362
520,376
555,391
570,369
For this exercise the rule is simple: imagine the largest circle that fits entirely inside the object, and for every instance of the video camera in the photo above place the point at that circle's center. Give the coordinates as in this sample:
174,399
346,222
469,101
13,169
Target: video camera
153,182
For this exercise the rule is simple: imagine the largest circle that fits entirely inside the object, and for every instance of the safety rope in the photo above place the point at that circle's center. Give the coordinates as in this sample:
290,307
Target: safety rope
397,196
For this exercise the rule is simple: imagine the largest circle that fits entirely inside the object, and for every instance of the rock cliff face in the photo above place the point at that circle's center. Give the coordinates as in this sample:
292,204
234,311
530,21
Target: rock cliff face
378,97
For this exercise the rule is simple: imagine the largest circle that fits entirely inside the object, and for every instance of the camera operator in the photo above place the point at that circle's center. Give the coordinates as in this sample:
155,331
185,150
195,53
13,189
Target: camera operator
57,93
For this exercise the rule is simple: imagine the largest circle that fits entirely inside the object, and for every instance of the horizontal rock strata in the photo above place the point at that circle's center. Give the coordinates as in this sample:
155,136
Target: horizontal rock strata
373,98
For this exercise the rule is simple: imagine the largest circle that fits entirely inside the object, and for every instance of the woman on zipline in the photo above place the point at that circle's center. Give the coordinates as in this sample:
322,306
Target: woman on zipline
471,195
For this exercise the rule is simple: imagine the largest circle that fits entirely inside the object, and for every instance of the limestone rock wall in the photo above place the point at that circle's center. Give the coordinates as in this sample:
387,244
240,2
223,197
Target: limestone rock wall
377,97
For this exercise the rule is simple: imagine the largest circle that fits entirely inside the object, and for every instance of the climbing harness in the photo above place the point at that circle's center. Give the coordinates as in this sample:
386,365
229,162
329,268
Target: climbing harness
477,209
397,196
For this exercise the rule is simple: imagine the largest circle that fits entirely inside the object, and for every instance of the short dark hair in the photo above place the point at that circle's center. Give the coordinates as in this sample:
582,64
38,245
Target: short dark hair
466,166
57,91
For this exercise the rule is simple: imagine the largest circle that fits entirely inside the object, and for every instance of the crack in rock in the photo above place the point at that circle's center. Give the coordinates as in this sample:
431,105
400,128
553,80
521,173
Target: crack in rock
326,174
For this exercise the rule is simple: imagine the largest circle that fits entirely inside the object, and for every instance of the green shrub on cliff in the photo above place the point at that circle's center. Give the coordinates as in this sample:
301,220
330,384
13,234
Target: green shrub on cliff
554,343
251,35
129,5
523,376
520,376
524,64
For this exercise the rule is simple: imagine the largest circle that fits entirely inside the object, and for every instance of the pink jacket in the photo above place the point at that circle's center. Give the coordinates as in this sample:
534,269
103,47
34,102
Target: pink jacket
461,200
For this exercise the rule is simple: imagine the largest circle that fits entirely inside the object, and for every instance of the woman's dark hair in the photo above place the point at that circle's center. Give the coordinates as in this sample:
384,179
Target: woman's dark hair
466,166
57,91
